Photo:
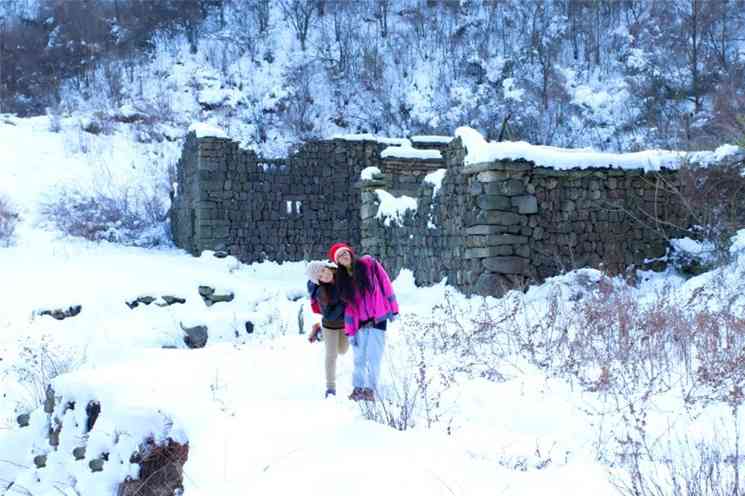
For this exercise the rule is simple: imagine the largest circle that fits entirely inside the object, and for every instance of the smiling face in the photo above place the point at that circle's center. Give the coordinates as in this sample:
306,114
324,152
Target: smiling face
344,257
326,276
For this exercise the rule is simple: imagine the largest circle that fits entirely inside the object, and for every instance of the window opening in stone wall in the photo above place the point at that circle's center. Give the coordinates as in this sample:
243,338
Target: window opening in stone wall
273,167
294,207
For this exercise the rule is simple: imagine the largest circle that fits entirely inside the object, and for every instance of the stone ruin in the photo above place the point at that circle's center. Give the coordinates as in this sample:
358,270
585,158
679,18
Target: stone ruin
486,227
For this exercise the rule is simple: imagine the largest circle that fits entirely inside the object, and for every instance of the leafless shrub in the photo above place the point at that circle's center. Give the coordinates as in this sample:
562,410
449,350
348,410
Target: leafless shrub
688,469
729,106
112,75
414,392
300,105
39,361
424,367
55,119
373,68
8,220
397,406
128,216
715,199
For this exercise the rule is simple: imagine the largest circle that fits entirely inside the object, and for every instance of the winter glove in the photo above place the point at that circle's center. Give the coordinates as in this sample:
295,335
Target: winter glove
314,333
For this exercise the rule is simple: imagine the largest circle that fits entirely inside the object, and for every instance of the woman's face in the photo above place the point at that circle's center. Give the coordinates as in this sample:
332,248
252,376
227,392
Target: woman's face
344,258
326,276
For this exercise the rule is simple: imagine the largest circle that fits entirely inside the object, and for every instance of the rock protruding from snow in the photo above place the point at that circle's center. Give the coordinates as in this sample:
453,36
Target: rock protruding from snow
62,313
196,336
23,420
210,296
145,300
167,300
129,114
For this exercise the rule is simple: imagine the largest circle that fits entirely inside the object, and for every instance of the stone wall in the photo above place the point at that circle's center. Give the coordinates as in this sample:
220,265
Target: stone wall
527,223
229,199
490,227
498,225
429,240
404,176
186,201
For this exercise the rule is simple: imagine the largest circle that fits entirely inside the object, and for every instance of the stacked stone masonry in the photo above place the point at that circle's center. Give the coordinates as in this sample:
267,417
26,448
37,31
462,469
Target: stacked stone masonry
279,209
489,227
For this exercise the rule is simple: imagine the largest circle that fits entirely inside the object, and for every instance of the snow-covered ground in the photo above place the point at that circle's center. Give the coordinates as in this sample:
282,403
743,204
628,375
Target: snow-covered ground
249,405
489,416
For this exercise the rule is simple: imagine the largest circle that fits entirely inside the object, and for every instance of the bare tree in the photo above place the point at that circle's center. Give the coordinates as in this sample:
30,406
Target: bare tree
301,14
545,43
382,9
696,22
340,37
261,10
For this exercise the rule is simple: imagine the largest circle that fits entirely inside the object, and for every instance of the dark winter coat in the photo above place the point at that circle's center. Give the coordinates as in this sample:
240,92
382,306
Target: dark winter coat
332,308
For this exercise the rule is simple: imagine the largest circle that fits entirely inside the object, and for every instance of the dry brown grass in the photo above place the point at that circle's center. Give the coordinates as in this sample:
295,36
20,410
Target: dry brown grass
161,470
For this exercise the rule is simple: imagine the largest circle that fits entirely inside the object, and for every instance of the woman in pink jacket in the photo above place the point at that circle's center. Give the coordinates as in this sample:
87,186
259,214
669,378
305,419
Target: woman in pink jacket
365,288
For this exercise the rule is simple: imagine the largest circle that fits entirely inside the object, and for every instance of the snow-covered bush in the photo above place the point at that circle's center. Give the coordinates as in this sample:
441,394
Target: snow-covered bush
125,215
8,220
691,257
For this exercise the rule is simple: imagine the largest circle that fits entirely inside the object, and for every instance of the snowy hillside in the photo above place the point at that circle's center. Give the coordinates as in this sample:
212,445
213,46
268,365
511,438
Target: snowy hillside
571,74
583,385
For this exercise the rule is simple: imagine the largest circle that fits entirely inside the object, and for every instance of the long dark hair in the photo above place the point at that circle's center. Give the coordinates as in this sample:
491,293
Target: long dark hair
351,285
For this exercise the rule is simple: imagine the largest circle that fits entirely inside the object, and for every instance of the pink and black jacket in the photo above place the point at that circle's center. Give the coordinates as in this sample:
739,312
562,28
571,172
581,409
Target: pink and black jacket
376,306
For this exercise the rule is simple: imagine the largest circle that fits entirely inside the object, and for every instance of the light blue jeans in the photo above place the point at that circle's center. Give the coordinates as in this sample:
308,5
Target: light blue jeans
368,345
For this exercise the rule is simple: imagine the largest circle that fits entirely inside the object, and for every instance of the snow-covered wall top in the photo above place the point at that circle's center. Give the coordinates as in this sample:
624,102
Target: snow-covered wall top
372,137
481,151
442,140
204,130
408,152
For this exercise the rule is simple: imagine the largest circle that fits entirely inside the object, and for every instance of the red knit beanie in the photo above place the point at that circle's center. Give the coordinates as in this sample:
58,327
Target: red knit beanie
335,249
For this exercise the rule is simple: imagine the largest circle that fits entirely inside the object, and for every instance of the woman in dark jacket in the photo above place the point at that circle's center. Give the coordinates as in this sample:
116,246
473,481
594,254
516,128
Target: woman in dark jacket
324,293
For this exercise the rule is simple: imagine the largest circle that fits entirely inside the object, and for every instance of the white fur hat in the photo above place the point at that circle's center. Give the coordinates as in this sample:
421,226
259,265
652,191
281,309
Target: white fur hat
314,269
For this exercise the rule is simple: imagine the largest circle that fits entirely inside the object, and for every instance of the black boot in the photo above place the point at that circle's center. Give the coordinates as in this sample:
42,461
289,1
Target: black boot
356,395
